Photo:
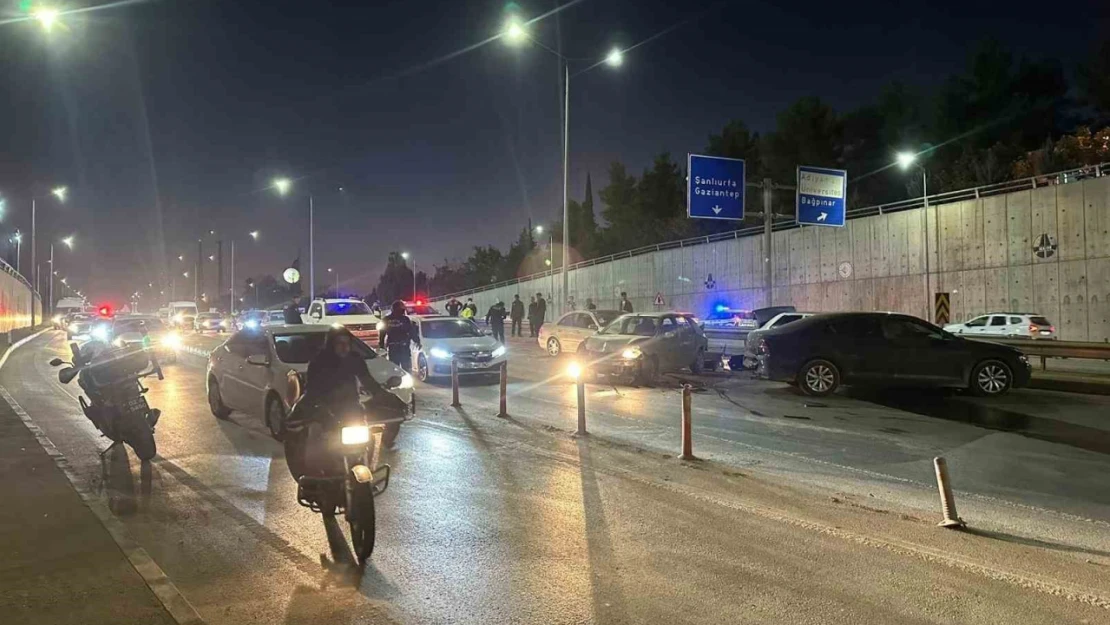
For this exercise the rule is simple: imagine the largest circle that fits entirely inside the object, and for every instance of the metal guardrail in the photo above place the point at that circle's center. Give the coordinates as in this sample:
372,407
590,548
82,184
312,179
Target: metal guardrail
8,269
1009,186
1053,349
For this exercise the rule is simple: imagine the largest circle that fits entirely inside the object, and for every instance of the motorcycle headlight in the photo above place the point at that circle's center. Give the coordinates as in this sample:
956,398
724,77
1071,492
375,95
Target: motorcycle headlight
406,381
439,353
632,353
356,435
172,340
100,333
499,352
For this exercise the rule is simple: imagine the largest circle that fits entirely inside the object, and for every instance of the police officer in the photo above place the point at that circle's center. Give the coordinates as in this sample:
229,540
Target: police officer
495,318
292,313
453,307
398,333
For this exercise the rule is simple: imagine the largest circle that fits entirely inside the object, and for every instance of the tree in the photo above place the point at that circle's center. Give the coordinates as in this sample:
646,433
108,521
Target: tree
396,280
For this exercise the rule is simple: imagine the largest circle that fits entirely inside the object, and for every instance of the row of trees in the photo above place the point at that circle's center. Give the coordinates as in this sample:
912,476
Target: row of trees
1003,117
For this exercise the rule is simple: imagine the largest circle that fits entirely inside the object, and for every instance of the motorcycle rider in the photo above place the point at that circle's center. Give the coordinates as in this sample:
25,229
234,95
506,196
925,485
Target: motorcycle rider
398,333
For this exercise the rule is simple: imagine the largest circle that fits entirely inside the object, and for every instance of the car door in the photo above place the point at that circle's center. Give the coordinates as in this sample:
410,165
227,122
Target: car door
231,358
256,377
315,312
976,325
997,326
687,342
855,344
566,331
245,383
584,327
668,344
922,354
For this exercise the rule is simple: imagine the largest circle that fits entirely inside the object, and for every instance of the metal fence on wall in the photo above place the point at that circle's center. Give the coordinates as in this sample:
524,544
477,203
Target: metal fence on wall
1032,182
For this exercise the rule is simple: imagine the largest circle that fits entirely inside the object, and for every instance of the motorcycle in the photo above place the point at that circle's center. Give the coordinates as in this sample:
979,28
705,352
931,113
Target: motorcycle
116,403
334,459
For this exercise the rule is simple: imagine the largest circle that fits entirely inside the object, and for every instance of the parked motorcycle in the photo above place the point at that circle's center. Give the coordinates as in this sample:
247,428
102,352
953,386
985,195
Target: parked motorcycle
334,459
116,403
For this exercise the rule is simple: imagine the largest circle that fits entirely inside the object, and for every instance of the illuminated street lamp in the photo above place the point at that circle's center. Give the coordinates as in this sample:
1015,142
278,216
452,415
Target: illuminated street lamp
17,238
47,17
515,33
407,256
906,160
254,234
283,186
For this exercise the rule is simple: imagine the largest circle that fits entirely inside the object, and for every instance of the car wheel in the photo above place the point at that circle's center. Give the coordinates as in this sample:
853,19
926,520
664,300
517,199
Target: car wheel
275,417
699,362
216,401
818,378
422,370
554,347
991,378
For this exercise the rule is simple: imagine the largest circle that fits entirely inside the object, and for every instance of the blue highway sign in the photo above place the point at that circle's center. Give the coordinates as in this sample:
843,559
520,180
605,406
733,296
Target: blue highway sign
714,187
822,196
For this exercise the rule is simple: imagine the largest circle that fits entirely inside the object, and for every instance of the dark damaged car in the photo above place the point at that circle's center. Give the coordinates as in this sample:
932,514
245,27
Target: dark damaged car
641,346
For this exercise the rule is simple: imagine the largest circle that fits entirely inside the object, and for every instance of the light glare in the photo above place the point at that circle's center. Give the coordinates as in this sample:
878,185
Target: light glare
905,159
615,58
47,17
283,185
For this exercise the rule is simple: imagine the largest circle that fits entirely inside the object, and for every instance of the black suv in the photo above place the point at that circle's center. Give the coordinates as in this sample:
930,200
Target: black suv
821,352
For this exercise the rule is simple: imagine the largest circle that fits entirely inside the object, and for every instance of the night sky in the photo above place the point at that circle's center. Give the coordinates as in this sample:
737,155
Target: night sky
167,119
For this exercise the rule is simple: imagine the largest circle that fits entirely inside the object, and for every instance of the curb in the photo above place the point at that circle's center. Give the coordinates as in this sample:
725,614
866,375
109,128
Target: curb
175,603
1070,385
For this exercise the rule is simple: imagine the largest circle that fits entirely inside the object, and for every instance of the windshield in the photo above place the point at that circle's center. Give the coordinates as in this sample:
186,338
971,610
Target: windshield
298,349
185,310
1041,321
334,309
449,329
151,324
605,317
633,324
277,315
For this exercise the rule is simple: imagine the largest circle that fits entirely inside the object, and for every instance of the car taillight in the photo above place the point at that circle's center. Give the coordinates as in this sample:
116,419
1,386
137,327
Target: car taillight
1033,328
1051,328
763,349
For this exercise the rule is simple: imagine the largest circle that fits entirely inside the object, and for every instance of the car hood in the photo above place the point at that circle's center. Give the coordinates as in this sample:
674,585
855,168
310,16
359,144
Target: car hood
611,343
465,344
354,319
990,347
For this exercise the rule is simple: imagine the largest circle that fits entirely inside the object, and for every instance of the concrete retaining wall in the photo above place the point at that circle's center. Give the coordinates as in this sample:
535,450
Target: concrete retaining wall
16,300
986,260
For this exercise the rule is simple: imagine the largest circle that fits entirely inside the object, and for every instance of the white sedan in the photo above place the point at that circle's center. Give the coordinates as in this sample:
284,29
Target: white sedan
261,372
445,338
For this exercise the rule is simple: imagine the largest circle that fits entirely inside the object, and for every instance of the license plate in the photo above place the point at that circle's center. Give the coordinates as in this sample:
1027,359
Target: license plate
1045,332
471,365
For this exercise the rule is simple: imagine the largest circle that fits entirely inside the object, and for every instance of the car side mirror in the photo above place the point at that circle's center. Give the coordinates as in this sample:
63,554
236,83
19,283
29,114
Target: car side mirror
54,362
258,360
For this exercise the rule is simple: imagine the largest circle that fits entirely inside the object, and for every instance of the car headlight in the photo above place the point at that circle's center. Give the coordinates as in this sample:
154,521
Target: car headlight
356,435
56,319
406,381
440,353
380,326
73,328
172,340
118,342
223,324
632,353
1023,358
499,352
178,318
251,324
100,333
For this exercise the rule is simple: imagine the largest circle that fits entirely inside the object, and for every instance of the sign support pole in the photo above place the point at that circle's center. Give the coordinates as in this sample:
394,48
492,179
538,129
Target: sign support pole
768,241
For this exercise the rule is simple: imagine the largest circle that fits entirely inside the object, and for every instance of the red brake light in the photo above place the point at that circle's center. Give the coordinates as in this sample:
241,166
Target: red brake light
105,311
1033,328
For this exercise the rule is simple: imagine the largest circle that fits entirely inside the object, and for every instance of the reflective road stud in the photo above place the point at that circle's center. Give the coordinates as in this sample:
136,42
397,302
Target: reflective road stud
947,500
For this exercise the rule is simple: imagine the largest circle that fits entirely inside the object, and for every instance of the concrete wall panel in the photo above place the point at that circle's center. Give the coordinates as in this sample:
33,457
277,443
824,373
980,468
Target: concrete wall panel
1020,290
812,259
1073,300
951,241
1098,298
880,247
1096,213
826,238
995,239
899,244
915,230
972,233
1046,291
1043,219
996,289
1018,216
1070,221
781,244
861,247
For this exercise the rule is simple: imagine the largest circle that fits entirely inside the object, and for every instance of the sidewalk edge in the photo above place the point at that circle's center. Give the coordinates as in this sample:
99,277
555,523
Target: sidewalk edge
175,603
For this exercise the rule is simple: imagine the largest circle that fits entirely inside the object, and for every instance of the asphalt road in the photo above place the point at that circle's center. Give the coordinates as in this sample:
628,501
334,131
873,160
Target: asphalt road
512,521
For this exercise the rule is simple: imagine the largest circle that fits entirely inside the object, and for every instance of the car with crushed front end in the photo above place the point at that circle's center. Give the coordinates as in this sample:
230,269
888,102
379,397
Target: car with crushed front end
640,346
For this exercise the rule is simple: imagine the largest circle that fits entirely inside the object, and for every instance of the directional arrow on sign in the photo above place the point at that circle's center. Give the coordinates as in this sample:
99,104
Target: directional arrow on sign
822,217
717,210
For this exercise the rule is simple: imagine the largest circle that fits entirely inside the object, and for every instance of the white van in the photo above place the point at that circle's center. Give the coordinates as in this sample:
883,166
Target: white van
182,314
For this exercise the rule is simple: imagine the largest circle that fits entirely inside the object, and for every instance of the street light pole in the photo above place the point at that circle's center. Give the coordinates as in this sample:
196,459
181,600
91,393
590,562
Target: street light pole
311,249
566,158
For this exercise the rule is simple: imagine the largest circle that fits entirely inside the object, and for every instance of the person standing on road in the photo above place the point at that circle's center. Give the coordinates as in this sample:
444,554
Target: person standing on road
397,336
495,318
590,305
516,314
541,312
532,330
625,305
472,306
292,313
453,307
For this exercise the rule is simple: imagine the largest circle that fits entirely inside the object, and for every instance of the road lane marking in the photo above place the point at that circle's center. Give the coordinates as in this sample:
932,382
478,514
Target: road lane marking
155,578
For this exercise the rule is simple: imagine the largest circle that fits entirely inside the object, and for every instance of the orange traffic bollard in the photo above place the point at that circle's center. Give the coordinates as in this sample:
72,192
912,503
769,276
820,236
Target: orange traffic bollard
455,384
504,390
687,438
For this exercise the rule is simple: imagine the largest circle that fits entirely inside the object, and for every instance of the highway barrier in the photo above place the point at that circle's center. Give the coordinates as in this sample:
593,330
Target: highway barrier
1053,349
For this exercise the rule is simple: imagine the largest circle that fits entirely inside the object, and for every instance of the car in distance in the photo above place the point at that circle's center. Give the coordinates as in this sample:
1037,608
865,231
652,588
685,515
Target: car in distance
81,326
1014,325
261,372
350,313
273,318
210,322
444,338
568,331
752,339
420,308
821,352
128,332
642,345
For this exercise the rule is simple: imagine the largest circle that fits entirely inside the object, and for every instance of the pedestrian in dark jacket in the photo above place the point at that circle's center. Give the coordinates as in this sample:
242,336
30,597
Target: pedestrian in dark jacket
590,305
398,336
495,317
541,312
516,314
291,313
453,307
532,323
625,306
